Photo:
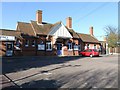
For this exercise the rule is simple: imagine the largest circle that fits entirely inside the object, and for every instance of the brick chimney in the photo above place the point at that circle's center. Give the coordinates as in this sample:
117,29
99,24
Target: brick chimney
39,16
91,31
105,38
69,22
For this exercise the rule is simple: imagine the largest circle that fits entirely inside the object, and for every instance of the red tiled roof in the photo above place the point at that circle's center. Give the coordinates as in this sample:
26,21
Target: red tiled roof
87,38
43,29
73,33
25,28
7,32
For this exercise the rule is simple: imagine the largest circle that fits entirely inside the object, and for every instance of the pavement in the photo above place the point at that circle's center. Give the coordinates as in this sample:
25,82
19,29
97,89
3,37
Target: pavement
61,72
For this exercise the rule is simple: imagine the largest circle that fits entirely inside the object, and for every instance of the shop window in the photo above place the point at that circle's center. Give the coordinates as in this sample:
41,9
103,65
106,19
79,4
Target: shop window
33,43
48,46
26,43
69,46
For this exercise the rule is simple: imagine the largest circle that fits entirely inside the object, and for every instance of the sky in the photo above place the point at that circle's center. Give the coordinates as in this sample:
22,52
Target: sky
84,14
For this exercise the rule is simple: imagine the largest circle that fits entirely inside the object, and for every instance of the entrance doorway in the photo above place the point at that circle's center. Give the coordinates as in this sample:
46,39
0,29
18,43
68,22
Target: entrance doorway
9,48
59,49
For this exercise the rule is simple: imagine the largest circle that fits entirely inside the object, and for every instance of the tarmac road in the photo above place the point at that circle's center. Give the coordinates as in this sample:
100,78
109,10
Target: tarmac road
65,72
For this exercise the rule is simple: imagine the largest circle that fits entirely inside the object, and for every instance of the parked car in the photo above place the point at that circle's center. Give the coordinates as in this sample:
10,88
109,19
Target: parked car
89,52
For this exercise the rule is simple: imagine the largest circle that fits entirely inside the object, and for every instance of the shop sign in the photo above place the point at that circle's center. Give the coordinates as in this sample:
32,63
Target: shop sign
7,38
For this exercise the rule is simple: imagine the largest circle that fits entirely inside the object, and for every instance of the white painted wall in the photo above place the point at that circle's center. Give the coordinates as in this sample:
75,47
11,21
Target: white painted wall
60,31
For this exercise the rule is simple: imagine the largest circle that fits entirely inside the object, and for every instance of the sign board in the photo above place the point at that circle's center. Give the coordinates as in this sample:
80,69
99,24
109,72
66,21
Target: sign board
41,47
7,38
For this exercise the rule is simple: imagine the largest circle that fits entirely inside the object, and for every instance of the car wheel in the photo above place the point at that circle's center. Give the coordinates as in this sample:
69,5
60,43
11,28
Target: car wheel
91,55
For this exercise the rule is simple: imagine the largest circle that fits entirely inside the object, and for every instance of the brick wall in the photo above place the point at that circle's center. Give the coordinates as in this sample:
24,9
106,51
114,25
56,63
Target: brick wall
76,52
2,48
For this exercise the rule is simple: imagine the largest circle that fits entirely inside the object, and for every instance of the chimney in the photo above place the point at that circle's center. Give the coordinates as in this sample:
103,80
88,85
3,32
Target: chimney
91,31
39,16
105,38
69,22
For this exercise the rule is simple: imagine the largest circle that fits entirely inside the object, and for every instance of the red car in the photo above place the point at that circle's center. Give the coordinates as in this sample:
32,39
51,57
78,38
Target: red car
89,52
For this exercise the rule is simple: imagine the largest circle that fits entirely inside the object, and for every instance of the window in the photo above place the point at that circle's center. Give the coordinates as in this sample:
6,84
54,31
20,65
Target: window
69,46
41,45
33,43
48,46
95,50
41,42
89,50
26,43
59,46
75,47
17,46
79,47
18,43
95,46
87,46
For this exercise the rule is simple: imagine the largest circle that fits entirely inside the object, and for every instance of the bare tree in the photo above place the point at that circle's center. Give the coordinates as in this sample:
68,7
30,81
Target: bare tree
112,36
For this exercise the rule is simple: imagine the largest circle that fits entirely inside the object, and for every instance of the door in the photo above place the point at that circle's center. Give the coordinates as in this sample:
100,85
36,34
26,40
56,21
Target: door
9,48
59,49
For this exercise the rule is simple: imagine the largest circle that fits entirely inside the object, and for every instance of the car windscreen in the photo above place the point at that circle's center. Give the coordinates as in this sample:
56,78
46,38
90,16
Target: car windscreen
89,50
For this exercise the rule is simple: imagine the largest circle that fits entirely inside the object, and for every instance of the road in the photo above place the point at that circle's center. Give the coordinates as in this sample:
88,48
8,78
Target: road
62,72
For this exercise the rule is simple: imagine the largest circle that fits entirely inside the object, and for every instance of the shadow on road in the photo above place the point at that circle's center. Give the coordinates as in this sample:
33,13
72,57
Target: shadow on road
87,79
19,64
41,84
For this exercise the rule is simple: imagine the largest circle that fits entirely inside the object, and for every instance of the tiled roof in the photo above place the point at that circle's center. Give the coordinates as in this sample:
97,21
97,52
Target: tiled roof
7,32
43,29
73,33
25,28
87,38
37,28
33,28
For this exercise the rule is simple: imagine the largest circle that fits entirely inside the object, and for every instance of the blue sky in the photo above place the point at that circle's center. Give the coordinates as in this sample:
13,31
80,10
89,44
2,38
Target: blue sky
84,14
